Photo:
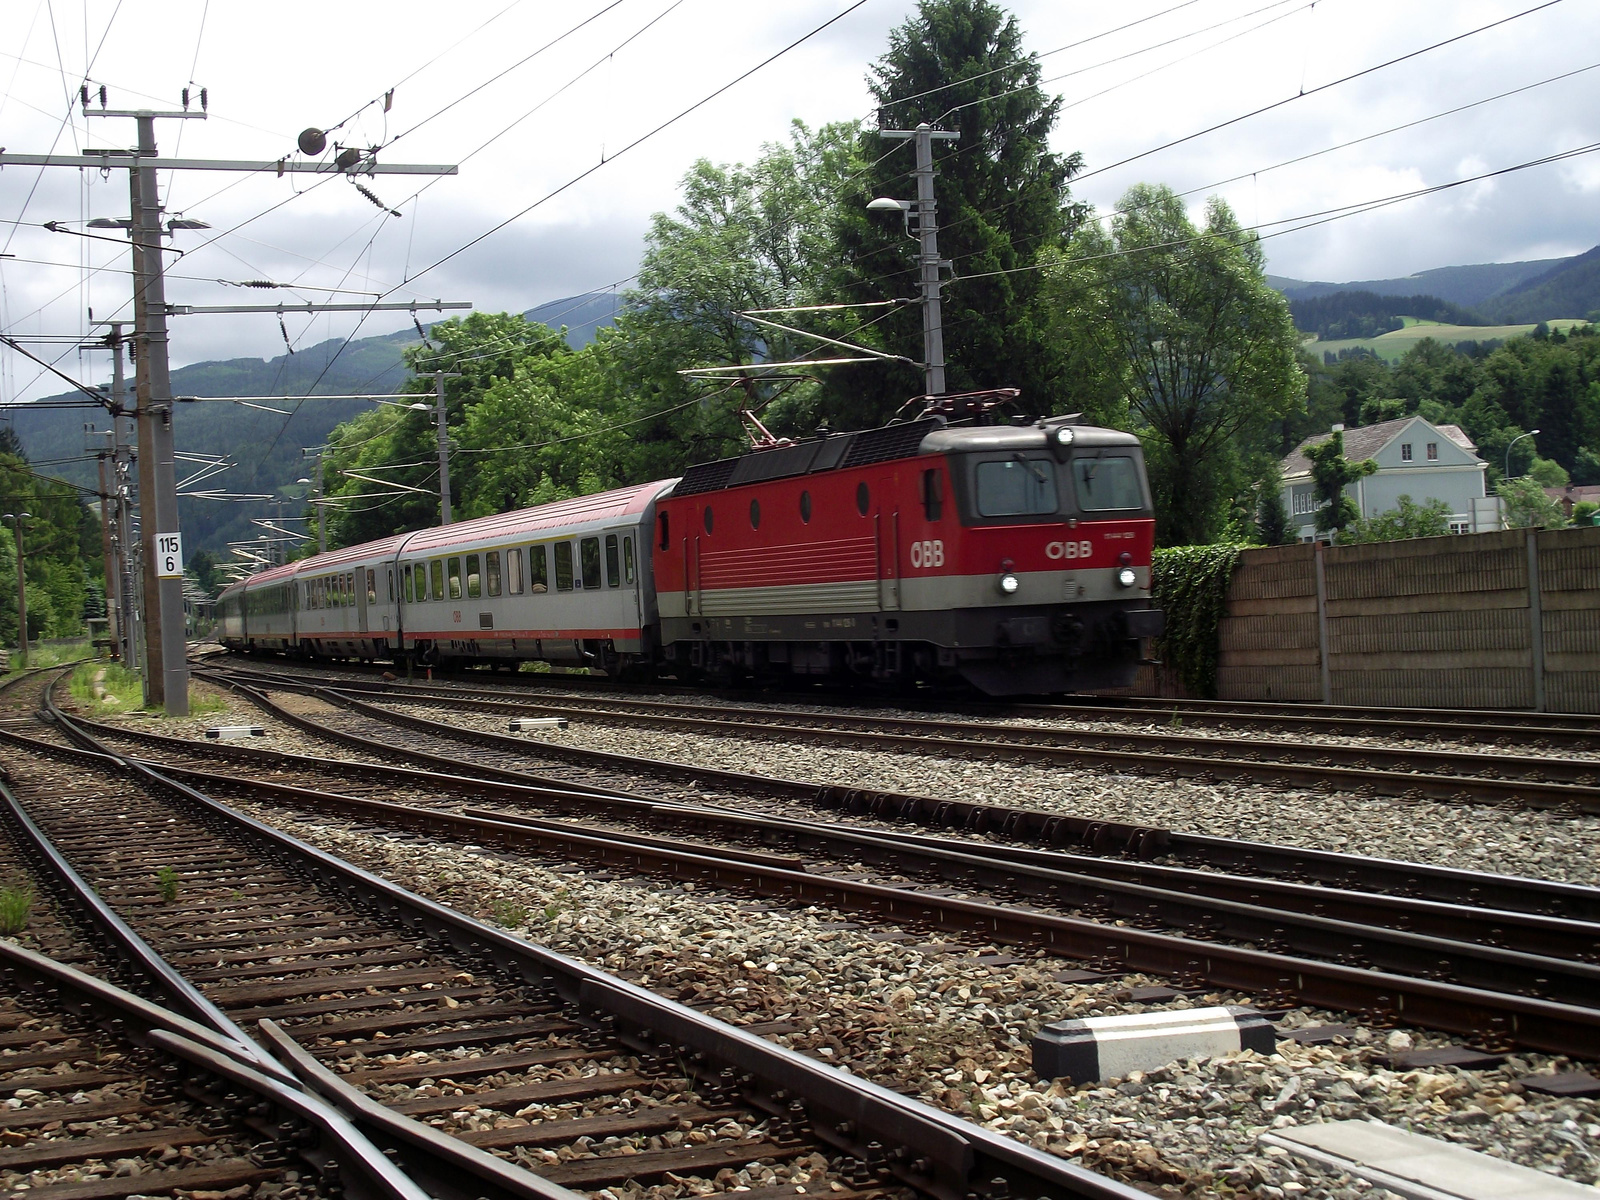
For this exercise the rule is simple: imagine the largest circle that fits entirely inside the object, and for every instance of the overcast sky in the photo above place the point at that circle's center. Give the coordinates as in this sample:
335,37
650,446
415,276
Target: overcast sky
274,69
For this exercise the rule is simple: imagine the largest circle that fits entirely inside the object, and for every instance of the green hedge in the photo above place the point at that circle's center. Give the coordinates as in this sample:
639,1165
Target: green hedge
1190,584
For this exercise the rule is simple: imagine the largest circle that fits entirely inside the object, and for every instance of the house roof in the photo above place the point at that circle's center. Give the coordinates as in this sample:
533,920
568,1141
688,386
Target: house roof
1364,441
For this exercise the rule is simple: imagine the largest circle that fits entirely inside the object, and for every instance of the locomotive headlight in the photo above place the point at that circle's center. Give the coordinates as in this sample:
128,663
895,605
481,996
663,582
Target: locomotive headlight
1065,436
1009,584
1126,577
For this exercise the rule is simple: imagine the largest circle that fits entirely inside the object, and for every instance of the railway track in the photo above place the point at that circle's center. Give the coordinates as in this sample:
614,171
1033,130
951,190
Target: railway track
1454,776
1292,944
386,735
1496,727
399,1011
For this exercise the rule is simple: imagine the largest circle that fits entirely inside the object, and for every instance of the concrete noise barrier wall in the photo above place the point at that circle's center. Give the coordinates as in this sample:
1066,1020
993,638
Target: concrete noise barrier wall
1486,620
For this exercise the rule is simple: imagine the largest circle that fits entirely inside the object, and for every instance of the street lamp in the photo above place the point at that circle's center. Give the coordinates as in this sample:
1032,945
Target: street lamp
16,520
1514,441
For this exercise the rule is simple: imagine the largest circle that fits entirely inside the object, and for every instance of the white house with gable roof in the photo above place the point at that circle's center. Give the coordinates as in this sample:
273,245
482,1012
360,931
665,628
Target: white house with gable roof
1415,458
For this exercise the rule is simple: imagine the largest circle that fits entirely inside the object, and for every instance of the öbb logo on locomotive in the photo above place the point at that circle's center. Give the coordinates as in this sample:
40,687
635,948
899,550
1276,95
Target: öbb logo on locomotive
1056,551
897,555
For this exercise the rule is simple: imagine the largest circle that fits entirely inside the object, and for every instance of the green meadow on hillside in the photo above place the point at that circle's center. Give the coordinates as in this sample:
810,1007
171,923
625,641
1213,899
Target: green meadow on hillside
1392,346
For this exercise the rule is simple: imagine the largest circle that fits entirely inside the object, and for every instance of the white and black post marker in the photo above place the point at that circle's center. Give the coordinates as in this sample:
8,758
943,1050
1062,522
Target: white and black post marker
1096,1048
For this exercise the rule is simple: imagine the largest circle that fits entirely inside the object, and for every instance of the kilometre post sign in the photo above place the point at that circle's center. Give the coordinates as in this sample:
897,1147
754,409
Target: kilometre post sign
169,555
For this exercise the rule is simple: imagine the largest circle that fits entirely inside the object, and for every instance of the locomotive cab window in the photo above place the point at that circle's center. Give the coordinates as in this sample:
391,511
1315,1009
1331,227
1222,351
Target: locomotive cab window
1106,483
590,548
474,578
663,525
613,562
563,566
863,498
1016,487
491,571
539,569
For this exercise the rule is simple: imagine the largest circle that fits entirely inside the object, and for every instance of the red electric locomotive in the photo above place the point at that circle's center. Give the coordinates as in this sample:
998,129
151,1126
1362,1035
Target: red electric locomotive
1014,556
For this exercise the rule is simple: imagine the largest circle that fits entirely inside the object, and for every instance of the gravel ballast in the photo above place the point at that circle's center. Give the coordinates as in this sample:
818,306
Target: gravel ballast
933,1022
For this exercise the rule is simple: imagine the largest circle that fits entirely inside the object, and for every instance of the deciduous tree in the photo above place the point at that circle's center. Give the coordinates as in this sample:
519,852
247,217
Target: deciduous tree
1180,322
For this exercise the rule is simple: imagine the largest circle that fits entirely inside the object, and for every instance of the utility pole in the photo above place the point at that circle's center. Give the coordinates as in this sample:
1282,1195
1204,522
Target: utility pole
166,650
16,519
928,260
166,678
444,443
120,590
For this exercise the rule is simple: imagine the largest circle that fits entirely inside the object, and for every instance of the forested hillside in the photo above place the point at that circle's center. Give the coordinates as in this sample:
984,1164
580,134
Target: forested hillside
266,446
1367,314
1569,289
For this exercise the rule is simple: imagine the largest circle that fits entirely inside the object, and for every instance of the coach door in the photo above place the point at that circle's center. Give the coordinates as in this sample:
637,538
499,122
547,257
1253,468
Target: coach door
364,596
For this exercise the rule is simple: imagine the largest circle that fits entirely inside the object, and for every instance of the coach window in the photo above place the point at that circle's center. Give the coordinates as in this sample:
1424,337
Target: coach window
613,562
514,572
455,577
563,566
627,560
474,578
388,585
1017,487
863,499
805,508
932,494
708,518
539,568
1106,483
590,550
491,571
436,578
408,587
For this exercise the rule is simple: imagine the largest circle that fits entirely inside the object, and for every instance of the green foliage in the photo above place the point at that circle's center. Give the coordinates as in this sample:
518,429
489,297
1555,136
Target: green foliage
958,65
1527,506
1272,517
508,914
167,884
1190,585
1408,520
1331,473
16,904
1179,323
1548,474
1583,512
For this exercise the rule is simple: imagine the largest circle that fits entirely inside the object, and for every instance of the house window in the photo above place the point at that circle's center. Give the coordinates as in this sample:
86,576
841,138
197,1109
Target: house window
1460,527
1405,451
1303,501
1433,451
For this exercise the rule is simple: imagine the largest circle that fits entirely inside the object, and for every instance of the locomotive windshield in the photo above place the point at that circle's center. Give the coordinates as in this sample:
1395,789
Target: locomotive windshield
1016,487
1107,483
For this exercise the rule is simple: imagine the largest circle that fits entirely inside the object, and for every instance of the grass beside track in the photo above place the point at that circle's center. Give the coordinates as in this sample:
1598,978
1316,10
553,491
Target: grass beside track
106,688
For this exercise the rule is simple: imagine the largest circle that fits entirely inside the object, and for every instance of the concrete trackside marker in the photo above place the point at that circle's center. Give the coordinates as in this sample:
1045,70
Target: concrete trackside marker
220,732
529,724
1097,1048
1419,1167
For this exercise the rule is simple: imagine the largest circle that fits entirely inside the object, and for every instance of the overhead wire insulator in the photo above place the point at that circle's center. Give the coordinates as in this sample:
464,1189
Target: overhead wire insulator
284,329
393,212
421,333
102,95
